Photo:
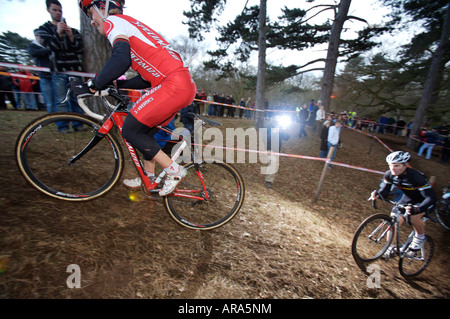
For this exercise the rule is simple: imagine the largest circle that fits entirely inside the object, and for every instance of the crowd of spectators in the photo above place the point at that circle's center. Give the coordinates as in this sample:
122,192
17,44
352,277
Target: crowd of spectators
24,92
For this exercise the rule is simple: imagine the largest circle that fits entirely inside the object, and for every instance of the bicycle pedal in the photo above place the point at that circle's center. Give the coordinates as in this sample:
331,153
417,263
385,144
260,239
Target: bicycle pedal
154,191
153,194
411,253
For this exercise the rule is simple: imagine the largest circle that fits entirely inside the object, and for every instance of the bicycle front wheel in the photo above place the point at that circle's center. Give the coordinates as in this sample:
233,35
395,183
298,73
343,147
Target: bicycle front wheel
372,238
43,153
412,263
221,188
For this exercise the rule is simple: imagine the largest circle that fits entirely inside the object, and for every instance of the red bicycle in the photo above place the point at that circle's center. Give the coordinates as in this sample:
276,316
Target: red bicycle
88,163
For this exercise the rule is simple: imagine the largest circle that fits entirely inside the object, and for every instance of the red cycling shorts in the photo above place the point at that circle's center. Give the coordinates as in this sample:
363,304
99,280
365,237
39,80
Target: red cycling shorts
163,102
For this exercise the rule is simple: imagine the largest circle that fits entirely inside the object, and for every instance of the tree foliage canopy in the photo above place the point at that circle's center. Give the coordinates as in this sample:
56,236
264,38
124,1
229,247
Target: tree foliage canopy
292,31
13,48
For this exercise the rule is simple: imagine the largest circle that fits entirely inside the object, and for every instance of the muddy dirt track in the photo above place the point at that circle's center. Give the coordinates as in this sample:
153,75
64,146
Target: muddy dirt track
281,245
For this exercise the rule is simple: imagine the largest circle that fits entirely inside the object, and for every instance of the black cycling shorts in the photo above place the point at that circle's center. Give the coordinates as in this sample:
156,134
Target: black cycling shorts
141,137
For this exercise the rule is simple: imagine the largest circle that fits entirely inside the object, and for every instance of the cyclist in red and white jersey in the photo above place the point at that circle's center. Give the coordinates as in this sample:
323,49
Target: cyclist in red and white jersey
136,45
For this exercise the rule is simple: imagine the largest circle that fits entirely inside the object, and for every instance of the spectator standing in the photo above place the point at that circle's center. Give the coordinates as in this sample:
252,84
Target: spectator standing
41,56
187,117
383,122
203,107
320,118
241,104
230,109
352,118
399,127
273,147
220,107
303,118
430,139
409,127
66,48
208,106
333,137
25,84
312,108
391,123
248,111
6,90
213,108
324,139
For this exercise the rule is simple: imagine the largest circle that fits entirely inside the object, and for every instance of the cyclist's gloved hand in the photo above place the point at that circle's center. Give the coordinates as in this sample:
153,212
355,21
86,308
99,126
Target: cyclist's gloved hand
80,90
412,210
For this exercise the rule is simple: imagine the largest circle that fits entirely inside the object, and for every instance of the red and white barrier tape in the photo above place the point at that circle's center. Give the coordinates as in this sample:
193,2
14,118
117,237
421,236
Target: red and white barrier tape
291,156
42,69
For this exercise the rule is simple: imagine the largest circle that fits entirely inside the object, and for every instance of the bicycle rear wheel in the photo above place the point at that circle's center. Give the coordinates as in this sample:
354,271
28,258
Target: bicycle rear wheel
412,263
43,154
225,191
443,213
372,238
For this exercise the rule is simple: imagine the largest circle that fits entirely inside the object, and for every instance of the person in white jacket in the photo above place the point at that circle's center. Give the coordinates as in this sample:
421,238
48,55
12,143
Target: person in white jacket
320,118
333,137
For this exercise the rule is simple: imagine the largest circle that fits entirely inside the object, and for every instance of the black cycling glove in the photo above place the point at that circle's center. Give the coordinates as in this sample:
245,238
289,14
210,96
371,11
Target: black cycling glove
80,90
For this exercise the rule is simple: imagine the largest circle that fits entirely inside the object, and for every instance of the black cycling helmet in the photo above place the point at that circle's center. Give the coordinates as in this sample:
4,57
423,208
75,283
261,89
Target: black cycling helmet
398,157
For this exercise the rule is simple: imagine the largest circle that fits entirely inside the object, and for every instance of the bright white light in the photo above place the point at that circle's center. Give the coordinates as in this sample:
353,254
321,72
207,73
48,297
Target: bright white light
283,121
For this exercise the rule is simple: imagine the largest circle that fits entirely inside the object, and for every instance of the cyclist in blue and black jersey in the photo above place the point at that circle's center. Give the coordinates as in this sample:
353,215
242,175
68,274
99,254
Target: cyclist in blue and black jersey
416,190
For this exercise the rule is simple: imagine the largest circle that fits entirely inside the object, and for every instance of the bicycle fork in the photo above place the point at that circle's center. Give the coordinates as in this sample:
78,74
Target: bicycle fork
101,134
94,141
374,235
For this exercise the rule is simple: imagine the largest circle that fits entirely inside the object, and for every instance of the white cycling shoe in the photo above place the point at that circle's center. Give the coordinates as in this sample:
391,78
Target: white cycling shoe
133,182
417,243
136,182
172,181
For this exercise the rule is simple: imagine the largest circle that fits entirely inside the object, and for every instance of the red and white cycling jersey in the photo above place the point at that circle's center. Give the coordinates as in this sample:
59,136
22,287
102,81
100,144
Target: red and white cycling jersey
151,55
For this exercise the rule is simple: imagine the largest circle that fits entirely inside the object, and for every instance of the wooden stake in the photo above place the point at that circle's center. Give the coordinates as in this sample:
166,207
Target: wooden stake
324,173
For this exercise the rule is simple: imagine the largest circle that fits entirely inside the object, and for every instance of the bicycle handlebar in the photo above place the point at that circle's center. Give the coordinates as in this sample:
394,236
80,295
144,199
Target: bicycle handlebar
123,100
374,204
110,91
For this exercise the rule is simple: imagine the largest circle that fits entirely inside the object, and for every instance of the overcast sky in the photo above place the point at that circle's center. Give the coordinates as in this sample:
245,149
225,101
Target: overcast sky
23,16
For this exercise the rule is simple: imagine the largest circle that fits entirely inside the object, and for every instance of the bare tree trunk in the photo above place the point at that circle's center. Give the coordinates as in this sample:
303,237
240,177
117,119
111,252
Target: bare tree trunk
261,80
333,53
97,50
432,79
96,46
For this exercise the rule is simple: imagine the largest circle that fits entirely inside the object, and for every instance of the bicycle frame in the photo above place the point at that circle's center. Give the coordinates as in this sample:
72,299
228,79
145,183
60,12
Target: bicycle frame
402,248
116,119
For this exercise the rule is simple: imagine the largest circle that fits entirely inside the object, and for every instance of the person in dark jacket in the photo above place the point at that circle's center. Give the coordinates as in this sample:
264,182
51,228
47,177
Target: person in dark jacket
430,139
6,90
66,49
324,139
41,56
187,118
303,118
